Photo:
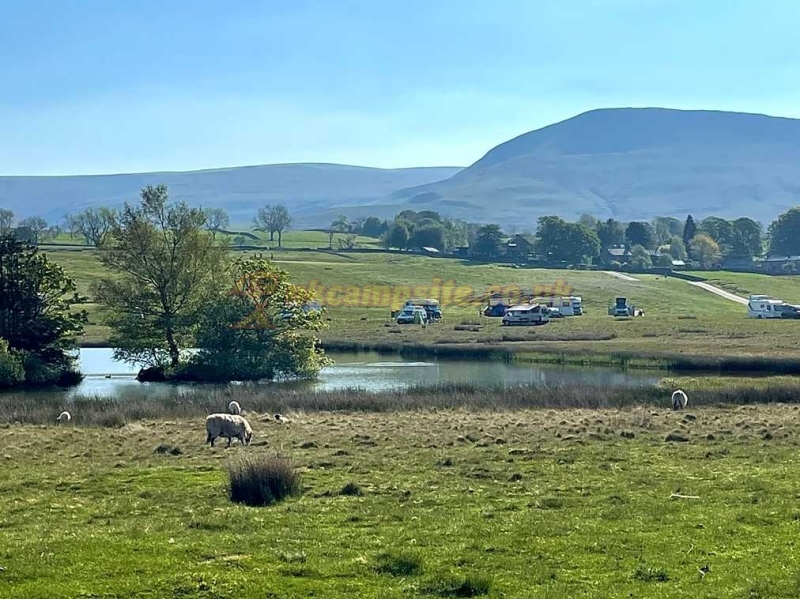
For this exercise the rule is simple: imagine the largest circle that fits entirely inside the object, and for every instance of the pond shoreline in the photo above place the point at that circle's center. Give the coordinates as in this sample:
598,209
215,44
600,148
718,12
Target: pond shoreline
533,353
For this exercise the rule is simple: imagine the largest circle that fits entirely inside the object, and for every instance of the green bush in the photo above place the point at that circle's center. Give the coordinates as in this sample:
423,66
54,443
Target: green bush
11,370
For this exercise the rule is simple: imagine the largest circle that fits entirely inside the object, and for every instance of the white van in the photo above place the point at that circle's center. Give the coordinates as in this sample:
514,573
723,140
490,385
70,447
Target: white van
526,314
763,306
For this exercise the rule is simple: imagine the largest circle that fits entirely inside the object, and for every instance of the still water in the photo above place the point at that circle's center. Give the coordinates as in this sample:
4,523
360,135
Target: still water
368,370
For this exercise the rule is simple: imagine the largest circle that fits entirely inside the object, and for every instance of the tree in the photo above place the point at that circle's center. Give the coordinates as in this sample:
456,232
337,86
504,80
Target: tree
348,242
397,236
216,219
374,227
487,242
37,325
340,225
36,224
676,248
589,220
93,225
640,233
167,270
720,230
640,258
665,228
560,241
273,219
610,232
6,219
784,234
427,236
689,231
260,331
747,238
705,250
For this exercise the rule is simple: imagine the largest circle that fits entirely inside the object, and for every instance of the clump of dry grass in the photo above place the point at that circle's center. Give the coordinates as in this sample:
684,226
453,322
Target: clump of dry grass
259,480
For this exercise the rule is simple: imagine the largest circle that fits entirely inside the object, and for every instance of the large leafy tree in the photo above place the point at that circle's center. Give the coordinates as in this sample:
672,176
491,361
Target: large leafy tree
37,324
488,240
689,230
397,236
263,329
432,235
561,241
705,250
720,230
677,249
666,227
640,258
273,219
747,238
374,227
610,232
91,224
784,234
165,271
640,233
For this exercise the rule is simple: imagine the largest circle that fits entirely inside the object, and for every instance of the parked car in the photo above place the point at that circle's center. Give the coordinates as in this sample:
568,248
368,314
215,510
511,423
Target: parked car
555,313
411,315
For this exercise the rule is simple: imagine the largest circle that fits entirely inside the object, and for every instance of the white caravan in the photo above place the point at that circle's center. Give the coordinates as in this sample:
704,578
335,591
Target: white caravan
568,306
763,306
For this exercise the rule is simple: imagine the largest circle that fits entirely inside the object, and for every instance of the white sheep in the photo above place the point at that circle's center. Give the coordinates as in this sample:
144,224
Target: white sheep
231,426
282,419
234,408
679,400
64,417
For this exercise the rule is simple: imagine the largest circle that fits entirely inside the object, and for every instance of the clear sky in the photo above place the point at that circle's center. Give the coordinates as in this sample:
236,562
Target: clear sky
104,86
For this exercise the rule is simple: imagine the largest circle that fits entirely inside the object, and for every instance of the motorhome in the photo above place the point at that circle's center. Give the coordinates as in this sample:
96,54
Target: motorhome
763,306
567,306
621,307
431,307
526,314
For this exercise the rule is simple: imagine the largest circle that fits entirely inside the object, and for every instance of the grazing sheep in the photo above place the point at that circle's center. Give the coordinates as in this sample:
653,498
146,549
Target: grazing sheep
679,400
64,417
231,426
282,419
234,408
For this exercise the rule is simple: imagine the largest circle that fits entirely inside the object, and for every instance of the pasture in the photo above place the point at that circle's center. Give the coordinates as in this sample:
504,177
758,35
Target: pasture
446,503
680,319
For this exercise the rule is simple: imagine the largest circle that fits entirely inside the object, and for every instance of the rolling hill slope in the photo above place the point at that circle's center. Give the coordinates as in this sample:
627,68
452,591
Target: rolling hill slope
629,163
306,189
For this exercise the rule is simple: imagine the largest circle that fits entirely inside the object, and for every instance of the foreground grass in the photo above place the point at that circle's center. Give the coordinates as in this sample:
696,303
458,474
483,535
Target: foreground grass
519,503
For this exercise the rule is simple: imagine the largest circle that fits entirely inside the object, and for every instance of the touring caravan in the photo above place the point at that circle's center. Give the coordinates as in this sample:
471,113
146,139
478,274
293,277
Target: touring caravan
763,306
567,306
526,314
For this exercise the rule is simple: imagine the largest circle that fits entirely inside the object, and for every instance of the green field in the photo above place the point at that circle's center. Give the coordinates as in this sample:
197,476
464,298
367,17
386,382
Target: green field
528,503
680,319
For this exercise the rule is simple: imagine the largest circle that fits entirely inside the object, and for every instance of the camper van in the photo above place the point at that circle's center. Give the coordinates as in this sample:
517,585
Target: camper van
567,306
763,306
431,306
526,314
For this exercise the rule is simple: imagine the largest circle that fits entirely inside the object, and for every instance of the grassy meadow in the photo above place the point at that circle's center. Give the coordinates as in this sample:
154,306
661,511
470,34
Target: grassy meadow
680,319
446,503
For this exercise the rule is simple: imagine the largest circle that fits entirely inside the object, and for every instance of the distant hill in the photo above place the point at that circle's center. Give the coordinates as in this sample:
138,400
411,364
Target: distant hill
306,189
628,163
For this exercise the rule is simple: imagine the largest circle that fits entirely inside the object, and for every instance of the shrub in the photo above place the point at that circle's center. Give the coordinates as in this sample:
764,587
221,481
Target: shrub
261,480
647,574
351,489
400,563
11,370
471,586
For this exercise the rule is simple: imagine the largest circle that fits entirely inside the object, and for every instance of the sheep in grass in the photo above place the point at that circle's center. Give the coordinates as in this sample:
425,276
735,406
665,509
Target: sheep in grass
64,417
679,400
231,426
234,408
282,419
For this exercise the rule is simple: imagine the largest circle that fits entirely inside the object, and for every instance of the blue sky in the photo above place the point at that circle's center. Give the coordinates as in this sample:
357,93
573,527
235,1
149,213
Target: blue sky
115,86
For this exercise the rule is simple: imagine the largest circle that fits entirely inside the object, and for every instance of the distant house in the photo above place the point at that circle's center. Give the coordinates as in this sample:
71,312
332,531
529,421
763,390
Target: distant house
785,265
622,254
521,247
738,263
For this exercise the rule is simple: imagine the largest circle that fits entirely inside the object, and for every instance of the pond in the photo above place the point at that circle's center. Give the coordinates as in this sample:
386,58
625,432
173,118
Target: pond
371,371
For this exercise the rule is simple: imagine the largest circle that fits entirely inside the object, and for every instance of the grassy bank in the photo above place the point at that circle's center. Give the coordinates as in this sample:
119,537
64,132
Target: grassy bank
681,320
39,407
444,503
